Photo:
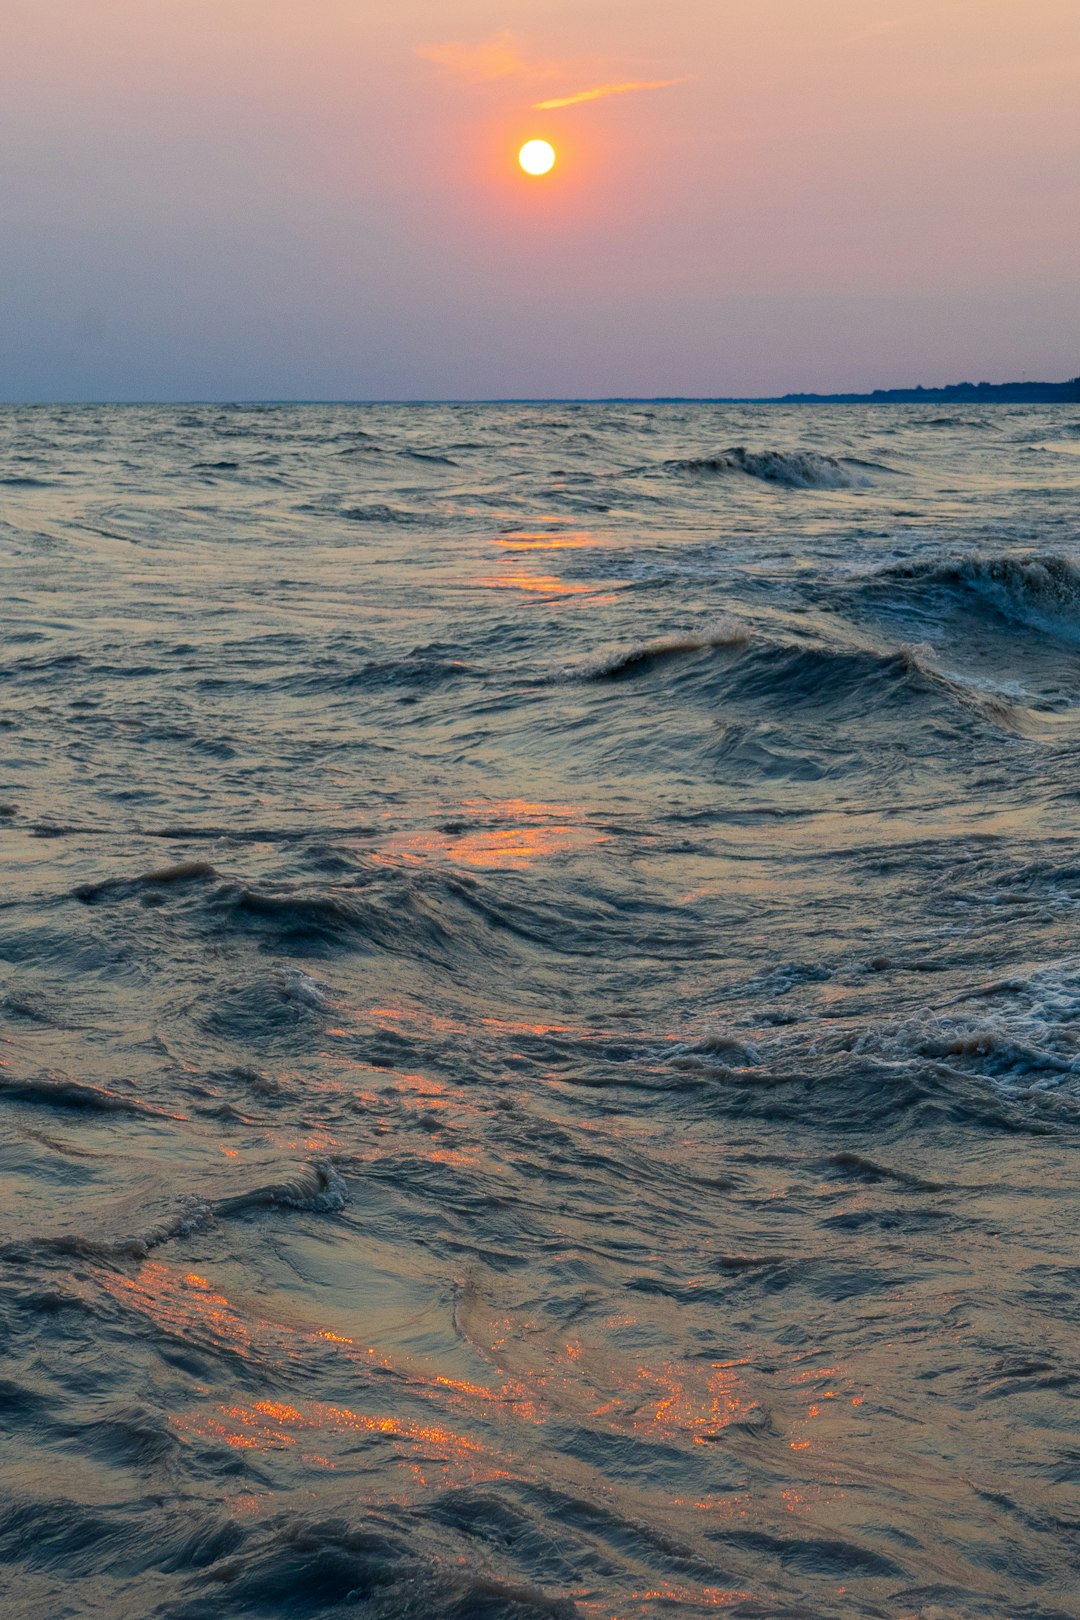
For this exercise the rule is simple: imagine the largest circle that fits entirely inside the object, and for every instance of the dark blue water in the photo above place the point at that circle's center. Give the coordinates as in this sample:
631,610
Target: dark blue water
541,1012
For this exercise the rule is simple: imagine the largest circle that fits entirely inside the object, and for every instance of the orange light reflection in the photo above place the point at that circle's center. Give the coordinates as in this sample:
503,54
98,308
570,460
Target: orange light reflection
553,541
538,832
537,584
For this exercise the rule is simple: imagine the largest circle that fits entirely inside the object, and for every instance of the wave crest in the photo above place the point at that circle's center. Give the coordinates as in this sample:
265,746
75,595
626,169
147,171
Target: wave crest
315,1187
1042,591
795,469
723,632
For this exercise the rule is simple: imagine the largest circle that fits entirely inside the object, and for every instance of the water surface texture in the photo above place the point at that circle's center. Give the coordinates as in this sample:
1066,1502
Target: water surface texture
541,1012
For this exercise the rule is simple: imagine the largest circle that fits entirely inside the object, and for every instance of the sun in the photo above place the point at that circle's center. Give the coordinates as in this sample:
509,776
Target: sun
537,157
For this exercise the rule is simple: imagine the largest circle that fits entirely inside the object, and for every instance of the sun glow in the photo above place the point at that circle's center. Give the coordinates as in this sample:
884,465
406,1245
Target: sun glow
537,157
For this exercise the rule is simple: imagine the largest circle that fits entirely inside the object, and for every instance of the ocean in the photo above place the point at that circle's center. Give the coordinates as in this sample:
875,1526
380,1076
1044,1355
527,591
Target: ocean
540,992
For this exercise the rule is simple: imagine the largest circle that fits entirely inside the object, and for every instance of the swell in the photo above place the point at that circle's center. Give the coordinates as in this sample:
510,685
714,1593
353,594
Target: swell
405,923
383,513
836,678
794,469
725,632
164,877
423,669
65,1246
414,900
420,911
315,1188
387,1563
75,1096
1039,591
1002,1057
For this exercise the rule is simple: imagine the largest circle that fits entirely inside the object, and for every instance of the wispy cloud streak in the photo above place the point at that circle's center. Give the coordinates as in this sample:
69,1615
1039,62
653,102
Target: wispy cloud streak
603,90
497,58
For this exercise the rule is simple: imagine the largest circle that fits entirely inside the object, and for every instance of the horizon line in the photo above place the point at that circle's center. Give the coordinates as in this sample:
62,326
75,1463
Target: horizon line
793,396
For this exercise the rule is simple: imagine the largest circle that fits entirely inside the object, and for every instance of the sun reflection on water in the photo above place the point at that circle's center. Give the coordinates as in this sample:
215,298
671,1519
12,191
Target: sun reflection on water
555,540
537,584
510,835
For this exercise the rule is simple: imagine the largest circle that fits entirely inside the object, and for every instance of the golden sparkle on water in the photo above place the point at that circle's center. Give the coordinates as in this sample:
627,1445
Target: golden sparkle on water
537,157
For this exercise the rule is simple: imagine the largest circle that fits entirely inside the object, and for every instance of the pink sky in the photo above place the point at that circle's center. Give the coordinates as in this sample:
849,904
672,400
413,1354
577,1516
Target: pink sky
319,199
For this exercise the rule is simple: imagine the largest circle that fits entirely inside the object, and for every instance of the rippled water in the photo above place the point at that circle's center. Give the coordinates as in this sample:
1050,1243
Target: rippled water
541,991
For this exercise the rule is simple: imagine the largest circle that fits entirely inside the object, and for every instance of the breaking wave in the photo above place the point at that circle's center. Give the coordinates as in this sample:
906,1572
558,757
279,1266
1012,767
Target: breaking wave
1040,591
725,632
776,675
795,469
316,1187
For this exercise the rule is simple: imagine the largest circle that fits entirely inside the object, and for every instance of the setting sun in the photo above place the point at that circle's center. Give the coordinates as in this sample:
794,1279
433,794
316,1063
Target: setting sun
537,157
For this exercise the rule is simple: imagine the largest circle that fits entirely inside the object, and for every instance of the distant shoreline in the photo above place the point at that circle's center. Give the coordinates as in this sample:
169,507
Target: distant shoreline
965,393
983,393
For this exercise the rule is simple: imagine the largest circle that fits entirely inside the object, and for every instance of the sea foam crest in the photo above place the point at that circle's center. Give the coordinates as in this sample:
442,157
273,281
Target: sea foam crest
1017,1032
796,469
726,631
1038,590
316,1187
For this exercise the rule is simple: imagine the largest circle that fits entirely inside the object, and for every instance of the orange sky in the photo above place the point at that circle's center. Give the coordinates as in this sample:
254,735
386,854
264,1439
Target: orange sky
318,198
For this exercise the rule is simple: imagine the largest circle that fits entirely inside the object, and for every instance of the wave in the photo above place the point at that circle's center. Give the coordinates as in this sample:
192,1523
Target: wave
315,1187
128,1435
795,469
163,877
1041,591
314,920
432,456
948,422
1004,1056
1017,1036
296,986
379,512
417,908
718,1051
193,1214
725,632
854,679
797,675
383,1567
859,1167
828,676
263,1014
50,1091
423,668
370,512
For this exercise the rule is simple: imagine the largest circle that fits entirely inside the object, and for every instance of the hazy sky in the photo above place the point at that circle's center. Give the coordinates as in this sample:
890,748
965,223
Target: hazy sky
319,198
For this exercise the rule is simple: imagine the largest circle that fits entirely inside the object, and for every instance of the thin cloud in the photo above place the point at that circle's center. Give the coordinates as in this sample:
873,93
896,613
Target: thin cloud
907,20
603,90
485,59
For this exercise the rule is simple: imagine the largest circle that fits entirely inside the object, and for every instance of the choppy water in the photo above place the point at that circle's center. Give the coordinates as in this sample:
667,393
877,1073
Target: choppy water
541,992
